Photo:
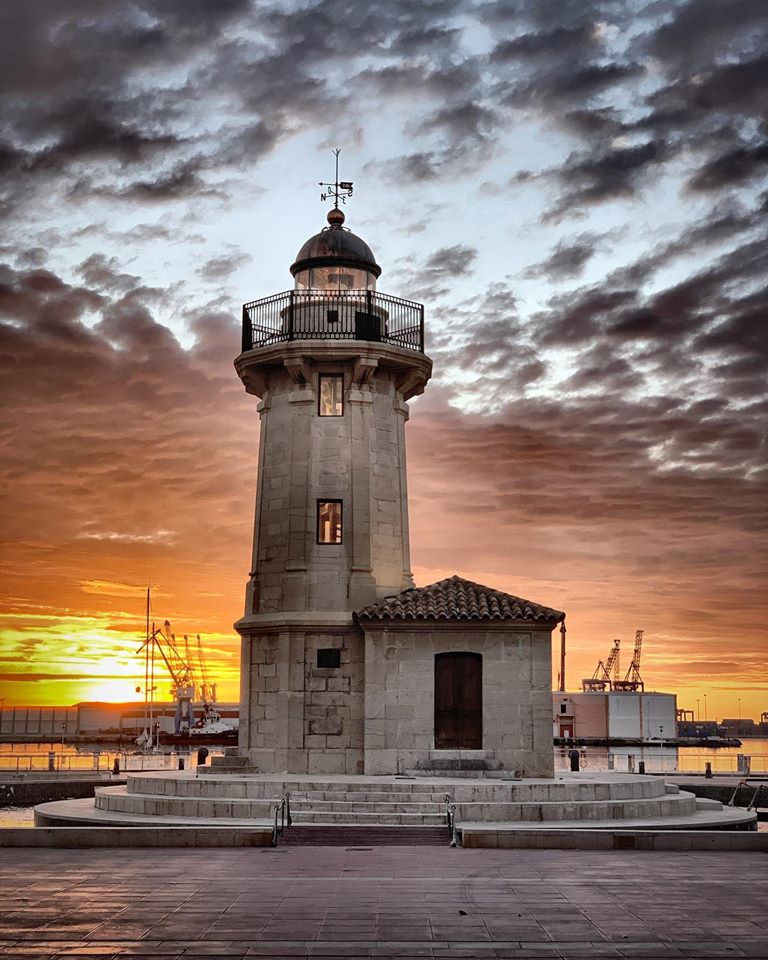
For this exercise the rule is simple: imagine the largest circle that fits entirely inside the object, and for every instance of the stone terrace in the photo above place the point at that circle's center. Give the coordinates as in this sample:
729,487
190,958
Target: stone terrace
417,802
381,902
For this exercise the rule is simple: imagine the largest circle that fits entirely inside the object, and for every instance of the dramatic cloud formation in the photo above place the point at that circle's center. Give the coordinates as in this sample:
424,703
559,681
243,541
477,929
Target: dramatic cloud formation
578,193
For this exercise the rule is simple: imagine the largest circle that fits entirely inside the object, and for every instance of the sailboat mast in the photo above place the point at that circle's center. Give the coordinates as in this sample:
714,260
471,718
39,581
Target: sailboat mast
152,690
146,672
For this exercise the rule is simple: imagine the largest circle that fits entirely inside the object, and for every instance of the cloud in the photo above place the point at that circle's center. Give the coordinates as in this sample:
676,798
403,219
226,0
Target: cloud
220,267
435,276
568,258
111,589
112,438
733,168
699,31
603,175
156,536
35,677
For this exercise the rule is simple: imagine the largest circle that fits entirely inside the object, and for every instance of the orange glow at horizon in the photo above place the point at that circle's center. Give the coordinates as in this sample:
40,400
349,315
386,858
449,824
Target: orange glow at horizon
72,658
93,656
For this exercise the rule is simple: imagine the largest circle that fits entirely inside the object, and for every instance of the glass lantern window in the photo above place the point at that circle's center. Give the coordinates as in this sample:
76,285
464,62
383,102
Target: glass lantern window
330,395
335,278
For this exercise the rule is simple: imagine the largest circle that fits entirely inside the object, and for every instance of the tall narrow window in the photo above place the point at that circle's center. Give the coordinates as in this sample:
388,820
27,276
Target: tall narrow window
330,395
329,521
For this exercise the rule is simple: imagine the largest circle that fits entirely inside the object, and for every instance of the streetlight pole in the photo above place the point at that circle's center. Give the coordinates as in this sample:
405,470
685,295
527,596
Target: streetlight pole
698,710
705,708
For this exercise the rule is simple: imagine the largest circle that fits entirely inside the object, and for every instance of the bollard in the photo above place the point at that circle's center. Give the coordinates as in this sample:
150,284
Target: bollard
116,766
708,770
51,761
641,767
181,763
743,764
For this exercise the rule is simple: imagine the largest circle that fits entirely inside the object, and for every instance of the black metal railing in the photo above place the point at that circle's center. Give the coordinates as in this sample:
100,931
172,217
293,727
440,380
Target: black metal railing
281,812
450,814
333,315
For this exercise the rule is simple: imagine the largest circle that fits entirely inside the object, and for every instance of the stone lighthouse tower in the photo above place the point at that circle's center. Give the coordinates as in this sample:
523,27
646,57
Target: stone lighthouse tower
333,362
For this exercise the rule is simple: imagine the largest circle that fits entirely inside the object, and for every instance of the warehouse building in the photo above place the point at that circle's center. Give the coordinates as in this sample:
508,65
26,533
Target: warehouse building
614,714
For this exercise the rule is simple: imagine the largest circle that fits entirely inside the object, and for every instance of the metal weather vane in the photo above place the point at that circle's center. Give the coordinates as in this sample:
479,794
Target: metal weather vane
339,189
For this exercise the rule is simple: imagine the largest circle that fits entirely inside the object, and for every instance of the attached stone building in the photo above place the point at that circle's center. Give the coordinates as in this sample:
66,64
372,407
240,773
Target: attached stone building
346,667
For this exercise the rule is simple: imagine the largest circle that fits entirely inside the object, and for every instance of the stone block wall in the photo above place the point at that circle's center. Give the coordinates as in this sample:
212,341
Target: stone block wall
297,717
399,694
358,458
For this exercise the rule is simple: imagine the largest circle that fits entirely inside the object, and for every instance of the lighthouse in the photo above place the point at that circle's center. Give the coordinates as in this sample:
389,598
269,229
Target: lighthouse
346,666
333,362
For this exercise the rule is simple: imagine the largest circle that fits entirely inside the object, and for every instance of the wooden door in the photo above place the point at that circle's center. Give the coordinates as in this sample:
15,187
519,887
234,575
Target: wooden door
458,701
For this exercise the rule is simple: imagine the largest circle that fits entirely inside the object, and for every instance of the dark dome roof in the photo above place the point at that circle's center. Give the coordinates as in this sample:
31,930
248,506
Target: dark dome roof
335,245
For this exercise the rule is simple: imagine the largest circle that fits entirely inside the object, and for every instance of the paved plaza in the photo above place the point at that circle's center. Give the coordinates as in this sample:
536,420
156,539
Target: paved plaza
381,902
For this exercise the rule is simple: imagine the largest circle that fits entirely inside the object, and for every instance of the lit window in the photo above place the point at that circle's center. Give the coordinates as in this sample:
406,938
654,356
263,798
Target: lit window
330,396
329,521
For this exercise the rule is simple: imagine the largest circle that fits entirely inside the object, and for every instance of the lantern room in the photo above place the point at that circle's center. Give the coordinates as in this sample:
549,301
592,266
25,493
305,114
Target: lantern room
335,260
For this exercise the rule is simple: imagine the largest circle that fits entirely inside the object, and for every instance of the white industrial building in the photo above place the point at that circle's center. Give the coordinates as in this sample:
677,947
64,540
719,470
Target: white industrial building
614,714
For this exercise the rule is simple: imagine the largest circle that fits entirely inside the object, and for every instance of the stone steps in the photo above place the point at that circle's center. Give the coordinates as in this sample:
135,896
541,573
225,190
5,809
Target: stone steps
396,789
375,806
366,817
364,836
394,804
230,763
352,809
341,796
459,773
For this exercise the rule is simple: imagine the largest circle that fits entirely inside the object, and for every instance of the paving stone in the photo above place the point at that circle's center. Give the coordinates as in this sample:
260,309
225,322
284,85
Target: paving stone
380,902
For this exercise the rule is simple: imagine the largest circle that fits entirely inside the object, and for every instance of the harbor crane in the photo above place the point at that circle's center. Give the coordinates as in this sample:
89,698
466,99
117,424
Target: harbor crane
190,681
161,640
606,672
633,681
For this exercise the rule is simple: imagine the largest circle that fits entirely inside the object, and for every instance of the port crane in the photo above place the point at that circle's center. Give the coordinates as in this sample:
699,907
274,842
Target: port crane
189,679
633,680
606,672
161,640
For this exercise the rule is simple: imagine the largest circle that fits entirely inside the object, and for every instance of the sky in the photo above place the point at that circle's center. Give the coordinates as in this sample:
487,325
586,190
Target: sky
575,189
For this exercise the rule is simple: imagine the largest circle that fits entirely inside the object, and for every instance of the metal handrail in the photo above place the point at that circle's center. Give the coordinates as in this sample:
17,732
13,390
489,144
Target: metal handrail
753,802
450,815
734,795
278,809
333,315
281,810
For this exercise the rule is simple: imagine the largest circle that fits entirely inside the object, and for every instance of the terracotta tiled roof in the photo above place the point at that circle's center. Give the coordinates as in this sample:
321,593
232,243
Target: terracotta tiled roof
457,599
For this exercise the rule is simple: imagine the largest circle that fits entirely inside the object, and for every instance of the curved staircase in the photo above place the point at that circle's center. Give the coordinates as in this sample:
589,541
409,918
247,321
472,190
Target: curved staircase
360,810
